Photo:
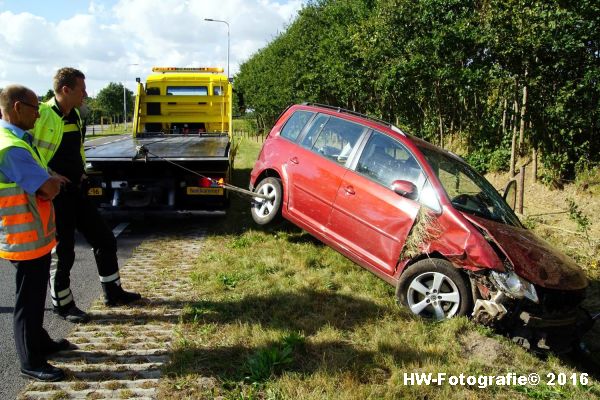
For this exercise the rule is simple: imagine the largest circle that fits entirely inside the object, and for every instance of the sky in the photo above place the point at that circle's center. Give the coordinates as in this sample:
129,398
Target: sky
119,40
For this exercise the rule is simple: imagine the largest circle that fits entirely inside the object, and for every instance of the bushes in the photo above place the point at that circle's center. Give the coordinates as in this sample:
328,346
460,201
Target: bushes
485,161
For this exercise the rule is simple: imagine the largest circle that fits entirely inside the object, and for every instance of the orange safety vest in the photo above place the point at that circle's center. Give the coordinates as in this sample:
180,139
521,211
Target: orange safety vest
27,229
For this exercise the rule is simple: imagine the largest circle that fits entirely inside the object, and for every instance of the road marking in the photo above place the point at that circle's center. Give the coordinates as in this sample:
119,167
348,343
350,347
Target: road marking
120,228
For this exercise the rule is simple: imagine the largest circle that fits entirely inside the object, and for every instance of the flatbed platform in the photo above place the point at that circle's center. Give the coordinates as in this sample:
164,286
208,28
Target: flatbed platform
204,147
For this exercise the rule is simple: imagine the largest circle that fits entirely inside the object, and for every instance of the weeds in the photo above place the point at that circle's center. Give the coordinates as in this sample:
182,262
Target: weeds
229,281
271,360
576,215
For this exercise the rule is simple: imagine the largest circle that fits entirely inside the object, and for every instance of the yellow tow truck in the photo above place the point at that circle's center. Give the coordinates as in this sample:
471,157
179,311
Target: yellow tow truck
182,121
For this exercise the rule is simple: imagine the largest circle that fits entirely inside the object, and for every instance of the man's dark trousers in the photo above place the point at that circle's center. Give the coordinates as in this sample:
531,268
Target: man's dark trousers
74,210
30,336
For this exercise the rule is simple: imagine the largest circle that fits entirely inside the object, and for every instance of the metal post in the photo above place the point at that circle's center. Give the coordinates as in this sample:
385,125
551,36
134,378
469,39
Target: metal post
228,37
521,190
124,107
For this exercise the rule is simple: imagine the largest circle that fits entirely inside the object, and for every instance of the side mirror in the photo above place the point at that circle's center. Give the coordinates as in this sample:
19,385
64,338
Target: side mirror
405,188
510,193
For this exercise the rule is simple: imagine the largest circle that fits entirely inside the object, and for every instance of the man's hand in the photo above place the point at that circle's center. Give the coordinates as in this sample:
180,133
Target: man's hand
63,179
51,187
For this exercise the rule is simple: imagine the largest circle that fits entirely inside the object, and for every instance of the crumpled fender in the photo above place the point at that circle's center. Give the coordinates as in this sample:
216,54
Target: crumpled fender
462,244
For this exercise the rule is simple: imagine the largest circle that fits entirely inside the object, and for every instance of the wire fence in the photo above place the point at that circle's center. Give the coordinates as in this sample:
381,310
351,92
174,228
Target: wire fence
257,137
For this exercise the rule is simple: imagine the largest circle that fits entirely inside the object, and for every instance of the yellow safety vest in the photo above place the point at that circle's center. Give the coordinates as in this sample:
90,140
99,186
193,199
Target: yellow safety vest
27,227
49,129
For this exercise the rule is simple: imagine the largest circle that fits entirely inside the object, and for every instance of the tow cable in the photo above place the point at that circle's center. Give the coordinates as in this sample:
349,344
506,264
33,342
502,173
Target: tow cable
143,152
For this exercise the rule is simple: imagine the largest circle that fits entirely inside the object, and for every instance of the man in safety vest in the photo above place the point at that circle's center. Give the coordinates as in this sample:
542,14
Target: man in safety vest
27,229
59,136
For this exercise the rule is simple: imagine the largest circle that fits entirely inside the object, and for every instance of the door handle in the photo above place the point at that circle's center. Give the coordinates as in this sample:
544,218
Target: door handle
349,190
295,160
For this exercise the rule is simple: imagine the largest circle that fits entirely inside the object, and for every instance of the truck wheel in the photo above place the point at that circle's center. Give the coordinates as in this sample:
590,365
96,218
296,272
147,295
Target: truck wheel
267,211
434,288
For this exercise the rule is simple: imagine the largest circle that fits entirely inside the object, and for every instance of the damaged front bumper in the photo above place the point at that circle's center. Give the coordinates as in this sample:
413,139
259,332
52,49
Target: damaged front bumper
556,322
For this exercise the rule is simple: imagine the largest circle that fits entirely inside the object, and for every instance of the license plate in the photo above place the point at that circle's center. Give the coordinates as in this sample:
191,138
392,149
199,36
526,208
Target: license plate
95,191
198,191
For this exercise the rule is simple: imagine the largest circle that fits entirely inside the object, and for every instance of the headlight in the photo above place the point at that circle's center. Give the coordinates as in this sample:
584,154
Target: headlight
514,286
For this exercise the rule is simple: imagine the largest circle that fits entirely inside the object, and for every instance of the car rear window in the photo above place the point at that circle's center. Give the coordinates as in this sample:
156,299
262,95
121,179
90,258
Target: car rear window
295,123
334,138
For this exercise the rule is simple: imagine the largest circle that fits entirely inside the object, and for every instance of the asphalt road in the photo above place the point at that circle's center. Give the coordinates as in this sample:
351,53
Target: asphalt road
92,141
85,286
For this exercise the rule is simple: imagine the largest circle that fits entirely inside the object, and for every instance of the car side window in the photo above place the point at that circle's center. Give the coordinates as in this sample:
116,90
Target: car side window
295,124
314,130
386,160
337,139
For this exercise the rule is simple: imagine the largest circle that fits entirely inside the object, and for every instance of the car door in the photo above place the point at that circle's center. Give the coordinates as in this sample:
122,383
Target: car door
368,217
316,167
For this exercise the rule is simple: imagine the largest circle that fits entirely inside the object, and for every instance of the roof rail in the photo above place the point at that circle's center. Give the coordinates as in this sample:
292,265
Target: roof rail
344,110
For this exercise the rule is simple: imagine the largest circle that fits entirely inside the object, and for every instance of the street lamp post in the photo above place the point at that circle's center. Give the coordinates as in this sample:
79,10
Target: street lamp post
124,108
226,23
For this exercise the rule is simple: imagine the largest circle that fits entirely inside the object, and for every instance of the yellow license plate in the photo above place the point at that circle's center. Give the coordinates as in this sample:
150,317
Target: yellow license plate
198,191
95,192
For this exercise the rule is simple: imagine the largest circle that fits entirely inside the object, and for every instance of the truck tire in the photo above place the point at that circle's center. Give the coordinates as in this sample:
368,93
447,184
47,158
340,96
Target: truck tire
265,212
434,288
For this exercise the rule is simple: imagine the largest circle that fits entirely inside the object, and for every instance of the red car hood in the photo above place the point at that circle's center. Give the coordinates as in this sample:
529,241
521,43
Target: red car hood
533,258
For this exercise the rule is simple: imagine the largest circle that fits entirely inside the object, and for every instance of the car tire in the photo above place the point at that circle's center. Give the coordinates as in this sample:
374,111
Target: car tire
265,212
435,289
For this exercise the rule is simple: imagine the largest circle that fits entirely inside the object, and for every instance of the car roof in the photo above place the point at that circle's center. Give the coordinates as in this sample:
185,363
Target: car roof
374,123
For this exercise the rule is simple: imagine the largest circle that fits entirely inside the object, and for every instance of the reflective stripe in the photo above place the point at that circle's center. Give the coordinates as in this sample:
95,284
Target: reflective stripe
4,211
11,190
63,293
64,302
45,145
20,228
110,278
71,128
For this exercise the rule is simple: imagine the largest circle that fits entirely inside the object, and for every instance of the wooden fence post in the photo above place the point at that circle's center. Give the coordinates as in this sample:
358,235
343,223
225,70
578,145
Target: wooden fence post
521,191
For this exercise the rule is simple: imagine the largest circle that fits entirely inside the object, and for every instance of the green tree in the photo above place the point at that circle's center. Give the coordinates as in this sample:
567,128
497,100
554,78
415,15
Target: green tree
483,72
110,100
49,94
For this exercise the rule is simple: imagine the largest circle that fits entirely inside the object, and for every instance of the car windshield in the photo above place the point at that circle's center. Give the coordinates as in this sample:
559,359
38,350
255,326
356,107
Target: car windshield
468,191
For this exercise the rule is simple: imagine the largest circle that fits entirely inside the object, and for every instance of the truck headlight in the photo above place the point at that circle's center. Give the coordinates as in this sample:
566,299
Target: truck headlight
514,286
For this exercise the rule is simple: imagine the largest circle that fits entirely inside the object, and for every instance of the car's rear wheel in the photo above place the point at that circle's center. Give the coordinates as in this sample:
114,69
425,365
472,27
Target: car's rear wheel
267,211
434,288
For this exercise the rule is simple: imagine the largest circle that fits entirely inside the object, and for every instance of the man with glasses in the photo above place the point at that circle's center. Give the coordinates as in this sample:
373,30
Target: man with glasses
59,134
27,233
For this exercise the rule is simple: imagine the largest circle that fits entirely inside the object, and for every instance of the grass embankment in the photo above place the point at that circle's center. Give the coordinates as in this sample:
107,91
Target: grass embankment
277,315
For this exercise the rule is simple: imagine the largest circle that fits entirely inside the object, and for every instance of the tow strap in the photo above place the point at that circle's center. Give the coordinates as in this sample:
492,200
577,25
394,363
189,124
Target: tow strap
143,152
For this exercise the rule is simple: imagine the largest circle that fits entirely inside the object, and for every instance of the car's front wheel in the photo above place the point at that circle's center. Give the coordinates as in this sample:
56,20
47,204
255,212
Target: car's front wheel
434,288
267,211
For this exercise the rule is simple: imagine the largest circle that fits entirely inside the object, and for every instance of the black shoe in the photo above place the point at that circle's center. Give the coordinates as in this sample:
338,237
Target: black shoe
72,314
45,373
120,297
57,345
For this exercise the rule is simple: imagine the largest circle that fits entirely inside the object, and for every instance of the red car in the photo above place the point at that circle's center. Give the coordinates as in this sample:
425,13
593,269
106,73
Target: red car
420,218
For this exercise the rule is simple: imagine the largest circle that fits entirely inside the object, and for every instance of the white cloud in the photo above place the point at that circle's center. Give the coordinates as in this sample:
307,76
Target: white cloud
105,42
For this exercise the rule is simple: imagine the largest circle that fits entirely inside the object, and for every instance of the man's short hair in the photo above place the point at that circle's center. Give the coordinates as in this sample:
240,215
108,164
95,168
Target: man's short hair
13,93
66,76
